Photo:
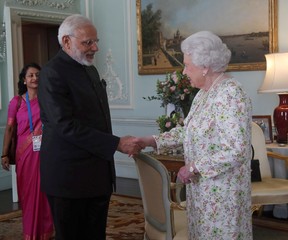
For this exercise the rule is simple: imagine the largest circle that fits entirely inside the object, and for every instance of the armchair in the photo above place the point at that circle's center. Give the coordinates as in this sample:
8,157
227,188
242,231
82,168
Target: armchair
269,190
164,219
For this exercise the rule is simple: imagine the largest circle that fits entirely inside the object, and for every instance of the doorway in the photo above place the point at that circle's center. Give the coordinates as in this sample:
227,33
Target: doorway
40,42
38,48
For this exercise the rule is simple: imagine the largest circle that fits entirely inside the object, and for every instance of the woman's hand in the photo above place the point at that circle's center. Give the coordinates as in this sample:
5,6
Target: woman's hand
147,141
5,163
186,173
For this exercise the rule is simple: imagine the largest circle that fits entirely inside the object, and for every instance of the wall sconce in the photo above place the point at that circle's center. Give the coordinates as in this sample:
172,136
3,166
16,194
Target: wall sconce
3,44
276,81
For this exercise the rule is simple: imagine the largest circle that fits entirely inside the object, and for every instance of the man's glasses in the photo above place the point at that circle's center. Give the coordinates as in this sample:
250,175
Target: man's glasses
87,43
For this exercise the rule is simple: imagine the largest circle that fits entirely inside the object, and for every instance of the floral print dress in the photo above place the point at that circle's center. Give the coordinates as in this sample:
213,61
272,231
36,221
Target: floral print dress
217,138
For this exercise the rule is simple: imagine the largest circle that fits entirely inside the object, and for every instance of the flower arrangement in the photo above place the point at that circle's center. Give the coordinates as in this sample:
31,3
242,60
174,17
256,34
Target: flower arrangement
176,89
166,123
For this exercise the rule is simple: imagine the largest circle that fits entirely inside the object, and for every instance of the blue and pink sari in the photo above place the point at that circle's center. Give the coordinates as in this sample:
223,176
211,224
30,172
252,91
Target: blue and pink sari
36,215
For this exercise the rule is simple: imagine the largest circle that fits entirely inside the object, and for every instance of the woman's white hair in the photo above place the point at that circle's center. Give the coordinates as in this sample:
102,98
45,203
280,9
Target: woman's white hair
207,50
70,24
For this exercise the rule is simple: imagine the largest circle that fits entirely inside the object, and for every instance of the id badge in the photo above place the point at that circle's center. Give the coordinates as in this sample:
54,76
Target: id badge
36,142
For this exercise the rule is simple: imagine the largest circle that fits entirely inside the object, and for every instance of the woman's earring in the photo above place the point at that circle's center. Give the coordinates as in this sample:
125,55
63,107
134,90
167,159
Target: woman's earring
24,83
203,74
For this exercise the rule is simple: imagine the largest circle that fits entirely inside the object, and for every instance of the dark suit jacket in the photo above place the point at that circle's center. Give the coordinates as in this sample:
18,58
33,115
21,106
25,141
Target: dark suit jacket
76,157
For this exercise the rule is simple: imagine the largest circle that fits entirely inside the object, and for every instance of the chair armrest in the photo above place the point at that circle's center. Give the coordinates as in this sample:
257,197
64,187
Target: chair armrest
174,185
177,206
278,156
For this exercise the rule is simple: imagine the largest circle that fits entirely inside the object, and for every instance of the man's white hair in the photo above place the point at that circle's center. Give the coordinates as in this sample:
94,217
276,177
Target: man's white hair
70,24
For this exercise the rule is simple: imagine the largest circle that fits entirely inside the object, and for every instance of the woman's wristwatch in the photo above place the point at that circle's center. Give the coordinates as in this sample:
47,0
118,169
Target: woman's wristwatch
193,170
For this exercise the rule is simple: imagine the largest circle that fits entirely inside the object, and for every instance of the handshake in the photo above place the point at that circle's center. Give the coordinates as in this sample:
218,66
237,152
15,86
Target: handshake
133,145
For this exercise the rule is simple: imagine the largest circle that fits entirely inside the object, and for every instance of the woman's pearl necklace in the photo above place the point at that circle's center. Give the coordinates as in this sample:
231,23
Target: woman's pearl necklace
205,94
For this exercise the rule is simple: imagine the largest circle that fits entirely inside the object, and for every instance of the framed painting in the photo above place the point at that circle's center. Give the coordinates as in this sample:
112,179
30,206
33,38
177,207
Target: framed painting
265,123
248,28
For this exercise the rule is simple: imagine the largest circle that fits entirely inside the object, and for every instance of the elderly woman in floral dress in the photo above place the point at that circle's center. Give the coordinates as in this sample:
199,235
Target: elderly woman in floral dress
217,144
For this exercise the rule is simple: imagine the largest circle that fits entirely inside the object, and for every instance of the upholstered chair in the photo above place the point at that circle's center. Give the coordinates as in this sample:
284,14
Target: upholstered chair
270,190
164,219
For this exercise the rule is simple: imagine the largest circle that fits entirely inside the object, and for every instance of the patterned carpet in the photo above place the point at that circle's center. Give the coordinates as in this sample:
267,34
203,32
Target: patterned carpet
125,219
126,222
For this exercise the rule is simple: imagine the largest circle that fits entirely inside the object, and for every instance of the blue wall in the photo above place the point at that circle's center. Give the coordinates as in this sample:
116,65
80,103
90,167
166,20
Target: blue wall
117,29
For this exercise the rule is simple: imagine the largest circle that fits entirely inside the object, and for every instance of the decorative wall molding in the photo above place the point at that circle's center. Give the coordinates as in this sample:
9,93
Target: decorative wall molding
134,122
126,99
129,51
115,87
2,43
5,180
59,5
126,168
41,16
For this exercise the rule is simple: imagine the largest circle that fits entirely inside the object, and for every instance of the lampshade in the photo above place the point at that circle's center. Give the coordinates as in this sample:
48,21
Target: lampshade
276,78
276,81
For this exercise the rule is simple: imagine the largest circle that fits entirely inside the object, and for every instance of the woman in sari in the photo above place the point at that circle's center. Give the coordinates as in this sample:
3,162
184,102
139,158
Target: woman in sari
24,113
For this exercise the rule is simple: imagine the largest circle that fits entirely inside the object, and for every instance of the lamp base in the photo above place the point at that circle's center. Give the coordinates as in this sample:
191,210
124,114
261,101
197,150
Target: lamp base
281,118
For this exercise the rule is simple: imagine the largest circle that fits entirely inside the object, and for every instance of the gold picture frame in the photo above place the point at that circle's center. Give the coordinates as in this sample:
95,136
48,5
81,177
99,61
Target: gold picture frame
148,58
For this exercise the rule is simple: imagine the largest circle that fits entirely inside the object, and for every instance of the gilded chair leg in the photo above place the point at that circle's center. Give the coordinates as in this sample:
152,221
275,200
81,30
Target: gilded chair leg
257,207
260,211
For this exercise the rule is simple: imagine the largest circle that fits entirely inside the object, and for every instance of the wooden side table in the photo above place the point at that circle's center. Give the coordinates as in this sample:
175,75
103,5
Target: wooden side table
172,162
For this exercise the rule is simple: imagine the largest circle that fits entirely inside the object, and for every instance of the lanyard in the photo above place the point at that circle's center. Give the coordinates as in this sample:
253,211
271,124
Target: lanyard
29,112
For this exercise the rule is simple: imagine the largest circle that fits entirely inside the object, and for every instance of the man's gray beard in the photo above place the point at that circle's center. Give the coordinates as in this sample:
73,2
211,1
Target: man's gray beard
77,56
86,63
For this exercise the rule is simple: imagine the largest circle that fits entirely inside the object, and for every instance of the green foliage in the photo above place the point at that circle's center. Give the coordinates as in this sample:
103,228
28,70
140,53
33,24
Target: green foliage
166,123
176,89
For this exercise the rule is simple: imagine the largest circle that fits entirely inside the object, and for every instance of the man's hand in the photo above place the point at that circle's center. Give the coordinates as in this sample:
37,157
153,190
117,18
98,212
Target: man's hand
129,145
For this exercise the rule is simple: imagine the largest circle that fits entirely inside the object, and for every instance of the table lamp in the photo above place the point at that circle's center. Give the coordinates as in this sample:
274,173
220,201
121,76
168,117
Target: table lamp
276,81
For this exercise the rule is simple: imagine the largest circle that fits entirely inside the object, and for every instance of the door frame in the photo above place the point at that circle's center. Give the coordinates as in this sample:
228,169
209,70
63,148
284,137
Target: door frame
13,21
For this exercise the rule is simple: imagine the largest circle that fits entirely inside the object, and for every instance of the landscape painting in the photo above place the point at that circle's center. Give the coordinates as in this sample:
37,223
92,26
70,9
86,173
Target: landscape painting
249,28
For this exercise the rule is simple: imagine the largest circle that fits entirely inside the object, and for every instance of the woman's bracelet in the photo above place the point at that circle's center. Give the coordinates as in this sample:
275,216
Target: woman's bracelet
5,155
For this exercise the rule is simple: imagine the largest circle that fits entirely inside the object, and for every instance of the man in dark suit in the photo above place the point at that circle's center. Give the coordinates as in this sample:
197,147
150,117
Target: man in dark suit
77,165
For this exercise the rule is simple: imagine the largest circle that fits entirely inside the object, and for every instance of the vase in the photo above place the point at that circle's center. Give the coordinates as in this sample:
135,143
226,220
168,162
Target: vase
170,107
281,118
185,110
